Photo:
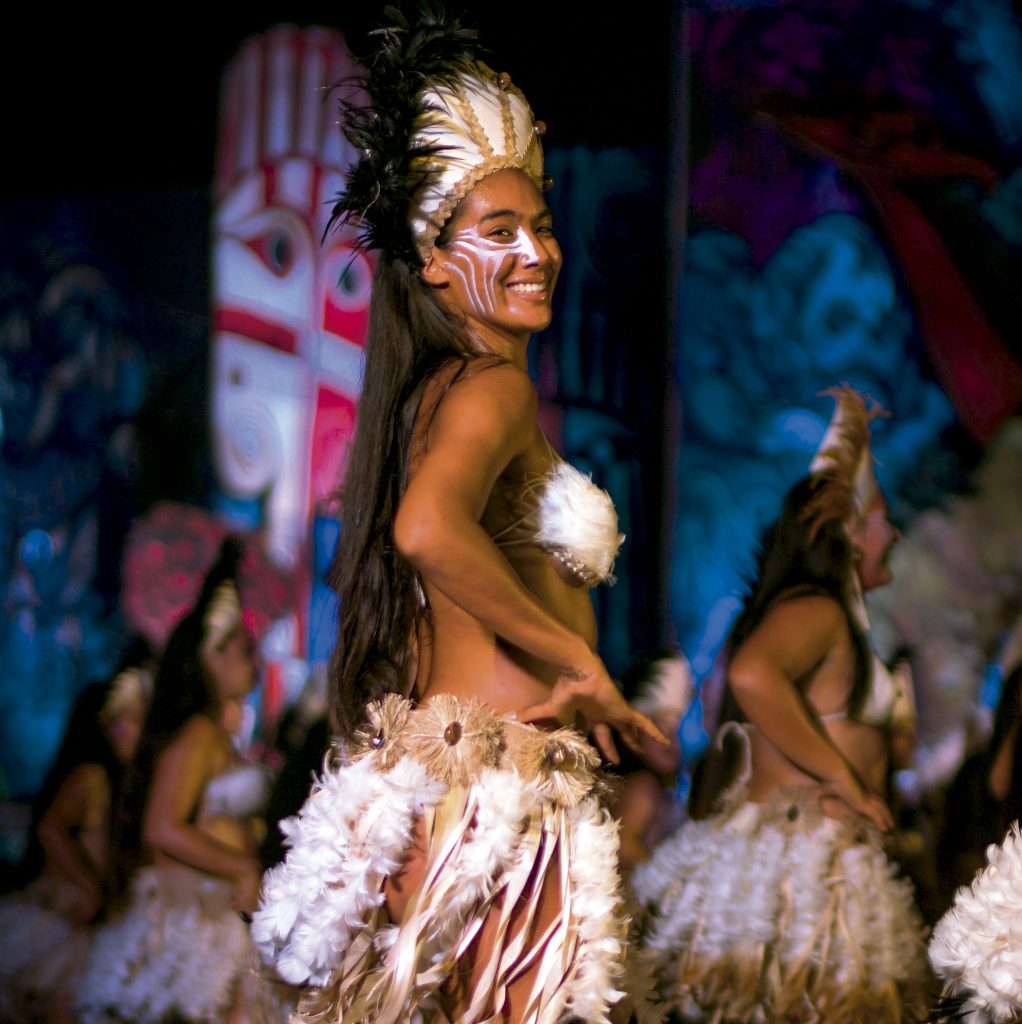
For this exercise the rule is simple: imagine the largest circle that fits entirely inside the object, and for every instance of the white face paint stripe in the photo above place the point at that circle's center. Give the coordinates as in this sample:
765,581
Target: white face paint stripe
479,262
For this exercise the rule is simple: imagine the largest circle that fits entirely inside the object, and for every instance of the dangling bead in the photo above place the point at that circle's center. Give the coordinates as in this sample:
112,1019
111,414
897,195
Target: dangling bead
377,740
452,733
548,183
539,128
556,755
504,80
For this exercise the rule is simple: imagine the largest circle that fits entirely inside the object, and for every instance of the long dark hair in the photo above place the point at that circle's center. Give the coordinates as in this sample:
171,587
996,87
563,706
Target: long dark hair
411,338
182,688
795,556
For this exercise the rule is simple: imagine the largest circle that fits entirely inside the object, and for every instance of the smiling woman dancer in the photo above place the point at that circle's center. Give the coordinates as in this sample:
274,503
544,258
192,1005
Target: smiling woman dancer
782,906
455,862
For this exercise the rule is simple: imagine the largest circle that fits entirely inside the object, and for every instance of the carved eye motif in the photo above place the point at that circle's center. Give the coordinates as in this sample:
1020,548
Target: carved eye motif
275,248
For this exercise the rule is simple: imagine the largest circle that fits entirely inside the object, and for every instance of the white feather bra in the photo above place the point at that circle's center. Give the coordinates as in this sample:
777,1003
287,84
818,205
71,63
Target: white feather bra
570,517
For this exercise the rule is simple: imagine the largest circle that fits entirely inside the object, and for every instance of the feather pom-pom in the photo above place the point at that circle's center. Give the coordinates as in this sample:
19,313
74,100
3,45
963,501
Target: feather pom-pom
576,519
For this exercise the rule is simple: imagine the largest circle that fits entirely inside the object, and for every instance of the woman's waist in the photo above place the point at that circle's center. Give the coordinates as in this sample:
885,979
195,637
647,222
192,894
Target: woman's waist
482,667
769,777
572,607
239,833
458,739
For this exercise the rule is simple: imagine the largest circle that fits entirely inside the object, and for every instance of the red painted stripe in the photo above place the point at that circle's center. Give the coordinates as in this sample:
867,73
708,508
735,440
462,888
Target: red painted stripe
248,325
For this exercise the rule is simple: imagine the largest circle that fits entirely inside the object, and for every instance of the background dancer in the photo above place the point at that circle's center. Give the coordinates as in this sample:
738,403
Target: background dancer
186,845
782,905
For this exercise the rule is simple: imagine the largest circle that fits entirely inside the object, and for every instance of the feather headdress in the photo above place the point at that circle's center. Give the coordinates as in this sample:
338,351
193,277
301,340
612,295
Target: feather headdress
843,464
438,121
218,602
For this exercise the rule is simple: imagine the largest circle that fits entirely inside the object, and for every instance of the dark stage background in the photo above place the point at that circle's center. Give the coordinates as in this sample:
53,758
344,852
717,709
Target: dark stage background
732,254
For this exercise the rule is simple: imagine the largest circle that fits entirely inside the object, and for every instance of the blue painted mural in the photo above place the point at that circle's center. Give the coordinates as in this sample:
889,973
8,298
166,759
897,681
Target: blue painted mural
850,191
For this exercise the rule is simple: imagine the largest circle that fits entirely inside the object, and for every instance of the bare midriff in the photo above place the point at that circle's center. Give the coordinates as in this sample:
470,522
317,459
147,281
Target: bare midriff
468,660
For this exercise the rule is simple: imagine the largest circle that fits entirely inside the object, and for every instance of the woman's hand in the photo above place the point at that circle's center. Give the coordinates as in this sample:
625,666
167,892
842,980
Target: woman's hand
86,904
246,888
848,791
591,692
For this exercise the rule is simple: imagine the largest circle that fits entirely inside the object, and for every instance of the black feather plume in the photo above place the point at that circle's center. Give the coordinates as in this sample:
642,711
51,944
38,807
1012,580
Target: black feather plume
435,49
949,1010
225,567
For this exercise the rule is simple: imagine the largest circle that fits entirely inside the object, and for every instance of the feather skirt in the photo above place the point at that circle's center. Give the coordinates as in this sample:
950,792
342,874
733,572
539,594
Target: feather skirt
506,810
179,950
977,945
774,912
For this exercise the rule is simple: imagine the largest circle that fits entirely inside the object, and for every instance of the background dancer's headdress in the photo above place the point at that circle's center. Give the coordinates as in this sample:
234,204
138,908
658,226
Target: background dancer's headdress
843,464
218,603
439,122
129,694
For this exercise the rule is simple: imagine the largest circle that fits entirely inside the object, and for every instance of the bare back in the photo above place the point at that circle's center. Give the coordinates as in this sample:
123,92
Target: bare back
822,673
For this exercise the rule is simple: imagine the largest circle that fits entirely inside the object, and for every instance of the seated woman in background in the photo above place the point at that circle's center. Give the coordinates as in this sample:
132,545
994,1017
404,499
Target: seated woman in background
186,855
44,929
782,905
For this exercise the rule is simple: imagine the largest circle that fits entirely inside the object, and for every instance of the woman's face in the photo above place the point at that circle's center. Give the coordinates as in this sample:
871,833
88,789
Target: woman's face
877,536
500,263
234,667
124,732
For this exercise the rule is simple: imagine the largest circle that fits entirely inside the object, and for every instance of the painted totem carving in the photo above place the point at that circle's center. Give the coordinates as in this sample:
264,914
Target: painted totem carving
290,310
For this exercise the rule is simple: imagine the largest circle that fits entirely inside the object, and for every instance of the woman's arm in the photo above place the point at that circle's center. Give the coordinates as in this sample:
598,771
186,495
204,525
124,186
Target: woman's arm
1002,768
81,801
182,773
793,639
480,426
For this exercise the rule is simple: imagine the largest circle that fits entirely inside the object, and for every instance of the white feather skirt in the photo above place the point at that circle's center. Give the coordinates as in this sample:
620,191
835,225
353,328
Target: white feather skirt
179,950
507,811
774,912
977,945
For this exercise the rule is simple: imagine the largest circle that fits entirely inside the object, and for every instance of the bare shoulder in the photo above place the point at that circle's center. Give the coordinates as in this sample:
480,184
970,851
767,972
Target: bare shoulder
87,777
84,785
499,386
200,739
815,610
794,635
493,405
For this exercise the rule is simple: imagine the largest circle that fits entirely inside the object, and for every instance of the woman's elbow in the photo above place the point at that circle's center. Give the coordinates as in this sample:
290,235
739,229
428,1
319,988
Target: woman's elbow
747,678
418,534
157,832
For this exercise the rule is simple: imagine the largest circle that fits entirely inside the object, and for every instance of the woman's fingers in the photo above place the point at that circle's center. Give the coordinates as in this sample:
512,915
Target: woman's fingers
645,724
549,708
867,804
605,741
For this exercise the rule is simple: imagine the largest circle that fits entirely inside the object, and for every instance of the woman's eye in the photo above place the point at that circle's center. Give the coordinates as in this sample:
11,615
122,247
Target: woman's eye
502,233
